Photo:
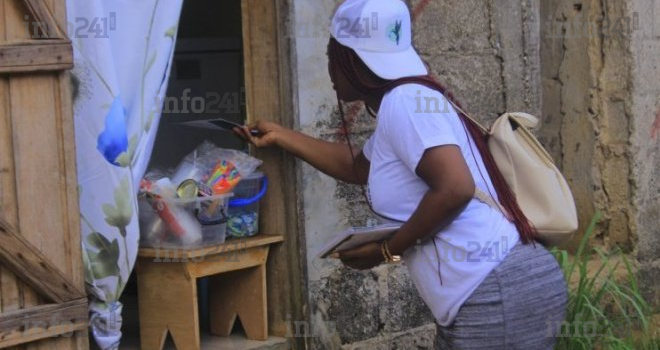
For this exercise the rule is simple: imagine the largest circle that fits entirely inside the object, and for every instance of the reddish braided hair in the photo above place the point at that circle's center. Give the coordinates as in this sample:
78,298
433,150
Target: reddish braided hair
369,84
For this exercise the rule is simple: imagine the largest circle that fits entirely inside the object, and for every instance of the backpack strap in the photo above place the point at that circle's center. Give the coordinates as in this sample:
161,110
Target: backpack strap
478,193
475,121
488,199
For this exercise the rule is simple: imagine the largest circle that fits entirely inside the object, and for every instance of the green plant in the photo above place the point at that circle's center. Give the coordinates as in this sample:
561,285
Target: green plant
603,311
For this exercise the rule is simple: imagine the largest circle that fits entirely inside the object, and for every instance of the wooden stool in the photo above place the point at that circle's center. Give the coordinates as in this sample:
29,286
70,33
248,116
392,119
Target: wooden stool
167,291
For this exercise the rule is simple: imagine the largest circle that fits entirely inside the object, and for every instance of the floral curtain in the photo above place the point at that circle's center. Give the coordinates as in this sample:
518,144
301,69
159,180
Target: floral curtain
123,50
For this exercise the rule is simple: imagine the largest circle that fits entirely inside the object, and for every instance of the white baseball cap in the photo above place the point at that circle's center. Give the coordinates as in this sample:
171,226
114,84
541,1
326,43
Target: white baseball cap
380,32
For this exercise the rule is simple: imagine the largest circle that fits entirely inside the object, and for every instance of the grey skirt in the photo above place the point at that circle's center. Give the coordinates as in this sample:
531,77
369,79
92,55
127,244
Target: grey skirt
516,307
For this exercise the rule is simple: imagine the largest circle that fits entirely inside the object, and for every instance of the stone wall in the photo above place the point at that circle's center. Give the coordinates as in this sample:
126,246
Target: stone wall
487,52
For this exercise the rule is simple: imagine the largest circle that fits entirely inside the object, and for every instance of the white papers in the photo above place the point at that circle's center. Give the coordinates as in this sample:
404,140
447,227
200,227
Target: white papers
357,236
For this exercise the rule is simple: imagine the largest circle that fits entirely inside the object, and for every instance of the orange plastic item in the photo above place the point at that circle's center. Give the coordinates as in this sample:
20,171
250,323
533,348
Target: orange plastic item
224,177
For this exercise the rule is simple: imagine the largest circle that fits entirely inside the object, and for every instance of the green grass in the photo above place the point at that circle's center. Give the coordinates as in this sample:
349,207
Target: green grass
603,312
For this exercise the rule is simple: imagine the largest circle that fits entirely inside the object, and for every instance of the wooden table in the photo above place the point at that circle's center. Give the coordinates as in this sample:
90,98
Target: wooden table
167,290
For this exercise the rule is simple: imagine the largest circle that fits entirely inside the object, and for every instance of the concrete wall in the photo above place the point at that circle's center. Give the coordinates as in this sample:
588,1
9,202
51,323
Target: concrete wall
601,96
487,52
587,110
645,143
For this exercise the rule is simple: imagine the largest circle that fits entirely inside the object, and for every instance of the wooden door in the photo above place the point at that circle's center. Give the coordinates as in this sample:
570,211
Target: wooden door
269,95
42,297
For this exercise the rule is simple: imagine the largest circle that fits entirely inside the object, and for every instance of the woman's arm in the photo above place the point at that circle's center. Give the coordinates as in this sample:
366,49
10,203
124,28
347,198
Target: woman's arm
451,187
333,159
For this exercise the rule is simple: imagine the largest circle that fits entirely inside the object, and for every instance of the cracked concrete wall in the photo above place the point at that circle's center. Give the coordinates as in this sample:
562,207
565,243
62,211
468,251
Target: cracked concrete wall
601,94
587,111
645,143
487,53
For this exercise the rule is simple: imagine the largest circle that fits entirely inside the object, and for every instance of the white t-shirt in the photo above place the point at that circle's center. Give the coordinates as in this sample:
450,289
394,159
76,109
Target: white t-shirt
477,240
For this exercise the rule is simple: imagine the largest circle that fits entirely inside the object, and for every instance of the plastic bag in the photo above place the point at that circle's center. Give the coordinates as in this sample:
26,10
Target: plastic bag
206,156
166,219
163,218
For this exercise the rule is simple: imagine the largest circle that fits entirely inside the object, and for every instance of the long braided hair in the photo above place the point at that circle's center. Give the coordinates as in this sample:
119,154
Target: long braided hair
368,83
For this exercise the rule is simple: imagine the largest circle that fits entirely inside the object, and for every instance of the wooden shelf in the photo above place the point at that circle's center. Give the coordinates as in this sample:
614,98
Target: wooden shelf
167,290
228,247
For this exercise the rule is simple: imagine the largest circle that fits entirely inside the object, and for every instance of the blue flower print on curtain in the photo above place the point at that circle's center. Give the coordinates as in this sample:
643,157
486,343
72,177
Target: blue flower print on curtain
113,141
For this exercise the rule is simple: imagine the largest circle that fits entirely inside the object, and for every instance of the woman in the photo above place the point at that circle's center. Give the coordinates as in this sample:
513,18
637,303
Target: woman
486,282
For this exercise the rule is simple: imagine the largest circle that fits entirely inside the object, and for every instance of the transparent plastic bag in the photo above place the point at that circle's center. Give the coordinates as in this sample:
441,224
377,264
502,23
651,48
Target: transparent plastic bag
163,219
204,158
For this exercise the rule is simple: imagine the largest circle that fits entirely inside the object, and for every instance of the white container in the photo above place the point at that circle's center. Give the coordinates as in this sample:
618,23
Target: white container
188,223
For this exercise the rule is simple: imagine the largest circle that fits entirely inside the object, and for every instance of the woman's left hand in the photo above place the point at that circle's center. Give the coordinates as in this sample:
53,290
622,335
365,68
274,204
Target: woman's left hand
363,257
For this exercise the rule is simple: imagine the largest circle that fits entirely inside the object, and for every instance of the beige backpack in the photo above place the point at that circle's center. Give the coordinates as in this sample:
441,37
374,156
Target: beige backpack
540,189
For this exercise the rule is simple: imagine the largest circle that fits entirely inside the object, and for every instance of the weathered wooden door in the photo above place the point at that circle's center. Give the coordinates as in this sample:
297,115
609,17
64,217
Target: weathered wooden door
42,297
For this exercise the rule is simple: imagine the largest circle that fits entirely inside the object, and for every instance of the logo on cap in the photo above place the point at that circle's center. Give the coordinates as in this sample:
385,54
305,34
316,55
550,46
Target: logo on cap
394,31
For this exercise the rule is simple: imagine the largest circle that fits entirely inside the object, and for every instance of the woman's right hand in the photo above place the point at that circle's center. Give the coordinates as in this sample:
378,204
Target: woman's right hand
332,158
267,133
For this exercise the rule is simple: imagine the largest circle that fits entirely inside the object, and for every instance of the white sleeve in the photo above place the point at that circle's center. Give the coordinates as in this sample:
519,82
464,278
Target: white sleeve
368,148
411,132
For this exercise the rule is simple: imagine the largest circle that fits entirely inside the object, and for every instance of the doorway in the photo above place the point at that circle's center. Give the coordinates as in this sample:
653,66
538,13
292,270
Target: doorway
206,81
232,59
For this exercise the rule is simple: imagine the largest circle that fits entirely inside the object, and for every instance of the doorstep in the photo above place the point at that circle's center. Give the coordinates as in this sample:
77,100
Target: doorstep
232,342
